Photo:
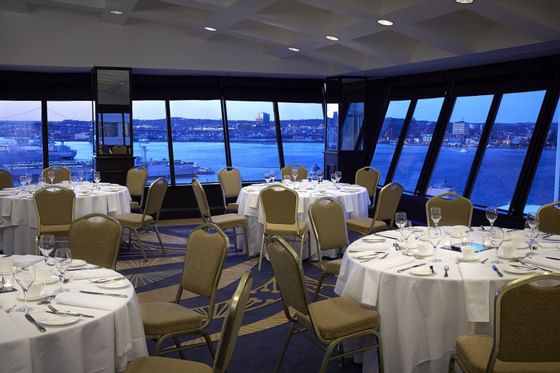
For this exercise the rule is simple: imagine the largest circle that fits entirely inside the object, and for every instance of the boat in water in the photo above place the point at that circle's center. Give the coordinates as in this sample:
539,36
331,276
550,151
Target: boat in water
14,152
182,168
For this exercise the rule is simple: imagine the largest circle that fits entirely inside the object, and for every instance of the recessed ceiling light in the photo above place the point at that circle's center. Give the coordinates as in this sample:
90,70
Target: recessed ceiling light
293,49
385,22
116,12
464,1
332,37
208,28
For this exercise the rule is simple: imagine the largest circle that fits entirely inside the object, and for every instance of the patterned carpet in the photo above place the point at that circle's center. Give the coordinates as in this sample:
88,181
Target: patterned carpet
264,327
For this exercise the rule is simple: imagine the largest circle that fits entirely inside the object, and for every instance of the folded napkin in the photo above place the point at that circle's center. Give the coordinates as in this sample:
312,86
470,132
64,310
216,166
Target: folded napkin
541,260
370,246
112,203
92,273
477,289
88,301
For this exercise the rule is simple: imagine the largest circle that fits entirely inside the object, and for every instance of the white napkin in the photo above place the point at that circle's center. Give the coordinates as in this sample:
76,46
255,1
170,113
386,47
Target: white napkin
370,246
88,301
543,261
253,200
6,207
92,273
370,293
25,260
112,203
477,289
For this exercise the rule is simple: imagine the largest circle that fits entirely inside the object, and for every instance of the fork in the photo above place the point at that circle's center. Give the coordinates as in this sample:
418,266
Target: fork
69,313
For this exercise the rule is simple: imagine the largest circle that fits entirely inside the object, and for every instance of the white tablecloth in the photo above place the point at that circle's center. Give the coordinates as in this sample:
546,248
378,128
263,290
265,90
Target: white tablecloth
421,316
105,343
354,199
18,223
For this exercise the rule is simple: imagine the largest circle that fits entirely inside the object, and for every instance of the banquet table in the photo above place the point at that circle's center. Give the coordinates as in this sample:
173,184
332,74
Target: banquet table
422,313
103,343
18,220
354,199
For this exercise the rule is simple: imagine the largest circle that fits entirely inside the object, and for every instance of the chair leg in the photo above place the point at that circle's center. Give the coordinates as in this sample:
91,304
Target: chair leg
208,342
284,349
319,286
301,243
140,244
159,239
262,249
326,356
246,241
380,354
178,345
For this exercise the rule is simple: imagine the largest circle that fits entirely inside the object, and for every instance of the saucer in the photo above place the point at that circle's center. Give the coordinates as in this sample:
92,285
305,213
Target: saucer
117,284
471,260
75,263
519,270
51,319
516,257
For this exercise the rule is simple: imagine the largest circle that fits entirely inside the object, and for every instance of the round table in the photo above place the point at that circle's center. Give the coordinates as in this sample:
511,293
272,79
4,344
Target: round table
422,313
18,221
354,199
104,343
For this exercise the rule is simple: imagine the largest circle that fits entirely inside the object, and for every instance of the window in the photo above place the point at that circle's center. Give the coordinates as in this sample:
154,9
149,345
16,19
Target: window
149,125
21,144
198,140
546,184
389,136
70,131
417,141
252,134
459,145
506,149
352,126
303,134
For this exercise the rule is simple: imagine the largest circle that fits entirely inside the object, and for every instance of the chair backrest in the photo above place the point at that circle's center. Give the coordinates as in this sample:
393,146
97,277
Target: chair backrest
135,181
526,326
288,271
60,173
119,149
549,218
388,202
287,170
368,177
232,322
6,180
279,205
328,223
230,182
54,205
455,209
201,201
206,253
156,195
95,238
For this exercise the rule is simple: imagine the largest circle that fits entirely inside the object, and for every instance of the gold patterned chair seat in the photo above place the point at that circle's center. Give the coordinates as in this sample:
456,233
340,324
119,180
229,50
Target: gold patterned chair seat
284,230
134,220
161,318
161,364
228,221
331,266
364,224
56,229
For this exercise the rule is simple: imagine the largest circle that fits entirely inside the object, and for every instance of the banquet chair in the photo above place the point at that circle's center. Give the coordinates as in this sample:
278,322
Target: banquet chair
287,170
230,182
119,149
280,209
95,238
207,247
526,331
230,331
328,224
224,221
383,218
135,181
368,177
149,217
60,174
549,218
331,321
455,209
6,180
55,210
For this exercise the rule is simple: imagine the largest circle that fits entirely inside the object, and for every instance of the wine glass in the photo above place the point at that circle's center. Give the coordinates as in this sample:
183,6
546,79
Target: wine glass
338,175
96,178
25,277
22,181
491,215
272,176
400,221
294,174
435,215
320,176
435,235
51,175
496,240
532,224
62,260
46,245
267,177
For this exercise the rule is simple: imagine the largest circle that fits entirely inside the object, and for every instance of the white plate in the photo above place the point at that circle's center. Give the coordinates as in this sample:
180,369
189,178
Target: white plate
519,271
41,296
421,271
50,319
474,259
119,284
77,263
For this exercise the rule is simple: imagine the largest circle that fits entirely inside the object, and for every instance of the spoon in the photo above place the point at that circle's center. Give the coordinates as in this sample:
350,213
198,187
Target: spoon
445,268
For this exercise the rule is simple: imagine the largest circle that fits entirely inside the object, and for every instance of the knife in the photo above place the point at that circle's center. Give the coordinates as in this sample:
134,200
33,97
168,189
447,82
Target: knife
76,314
389,237
108,294
551,257
104,280
34,322
410,267
495,268
82,269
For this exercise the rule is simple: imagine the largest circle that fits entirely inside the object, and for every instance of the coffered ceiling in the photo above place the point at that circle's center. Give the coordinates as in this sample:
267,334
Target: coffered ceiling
253,37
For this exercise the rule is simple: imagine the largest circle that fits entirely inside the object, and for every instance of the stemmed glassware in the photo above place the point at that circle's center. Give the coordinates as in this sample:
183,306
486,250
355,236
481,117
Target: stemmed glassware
338,175
435,239
267,177
491,215
496,240
435,215
46,245
96,178
294,174
533,233
51,175
319,176
272,176
25,277
62,260
401,220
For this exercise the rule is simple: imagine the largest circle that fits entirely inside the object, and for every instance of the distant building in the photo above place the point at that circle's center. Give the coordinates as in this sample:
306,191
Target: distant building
263,118
459,129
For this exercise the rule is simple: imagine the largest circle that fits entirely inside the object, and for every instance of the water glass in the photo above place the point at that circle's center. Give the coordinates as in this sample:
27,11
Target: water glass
533,233
491,216
272,176
267,177
46,245
400,221
435,215
25,277
51,175
96,178
294,174
62,260
320,176
496,236
435,235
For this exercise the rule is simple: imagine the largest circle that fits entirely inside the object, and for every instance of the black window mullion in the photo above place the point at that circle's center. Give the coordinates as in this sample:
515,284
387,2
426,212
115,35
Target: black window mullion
225,127
278,134
484,139
535,149
45,133
400,143
170,142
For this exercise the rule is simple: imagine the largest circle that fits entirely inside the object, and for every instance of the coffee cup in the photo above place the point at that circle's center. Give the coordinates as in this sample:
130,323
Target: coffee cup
424,250
36,289
508,251
468,252
6,264
43,273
